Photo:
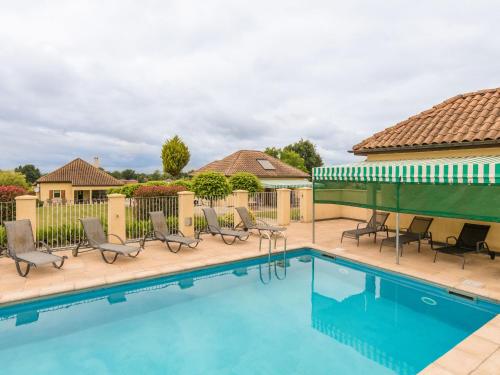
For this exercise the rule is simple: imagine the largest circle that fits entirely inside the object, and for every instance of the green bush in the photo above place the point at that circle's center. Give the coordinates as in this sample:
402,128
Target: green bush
156,183
188,184
211,184
3,238
11,178
245,181
142,227
128,190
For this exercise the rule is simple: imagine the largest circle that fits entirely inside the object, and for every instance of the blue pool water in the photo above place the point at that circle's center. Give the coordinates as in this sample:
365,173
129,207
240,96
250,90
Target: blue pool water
326,317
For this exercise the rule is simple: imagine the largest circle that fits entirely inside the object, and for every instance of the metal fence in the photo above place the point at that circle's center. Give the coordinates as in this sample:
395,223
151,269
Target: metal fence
137,222
223,206
58,224
295,205
264,206
7,211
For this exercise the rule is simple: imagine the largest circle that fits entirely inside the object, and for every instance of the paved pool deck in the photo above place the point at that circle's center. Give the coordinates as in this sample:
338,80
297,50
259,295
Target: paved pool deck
478,354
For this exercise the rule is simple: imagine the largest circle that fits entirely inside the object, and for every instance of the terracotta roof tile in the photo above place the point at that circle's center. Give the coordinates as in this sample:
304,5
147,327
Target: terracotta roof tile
247,161
80,173
466,118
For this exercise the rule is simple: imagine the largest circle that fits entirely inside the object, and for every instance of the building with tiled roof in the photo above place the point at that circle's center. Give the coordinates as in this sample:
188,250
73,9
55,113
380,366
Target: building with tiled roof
76,181
271,171
466,121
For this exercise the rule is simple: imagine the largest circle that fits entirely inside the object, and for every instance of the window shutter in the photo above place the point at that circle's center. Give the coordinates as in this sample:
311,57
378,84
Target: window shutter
63,194
51,194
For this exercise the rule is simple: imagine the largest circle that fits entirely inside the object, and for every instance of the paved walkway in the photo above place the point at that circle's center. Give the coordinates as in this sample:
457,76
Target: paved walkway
481,276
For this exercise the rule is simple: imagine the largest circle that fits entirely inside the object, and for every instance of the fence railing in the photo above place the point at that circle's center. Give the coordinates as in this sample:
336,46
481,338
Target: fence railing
7,213
295,205
137,222
223,206
58,224
264,206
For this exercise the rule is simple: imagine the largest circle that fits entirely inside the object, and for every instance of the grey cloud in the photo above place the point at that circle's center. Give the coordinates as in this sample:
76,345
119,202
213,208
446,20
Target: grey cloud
116,79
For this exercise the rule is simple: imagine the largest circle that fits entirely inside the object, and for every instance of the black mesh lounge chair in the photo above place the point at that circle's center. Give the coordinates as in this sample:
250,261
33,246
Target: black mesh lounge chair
472,239
374,225
21,247
162,233
416,232
96,239
214,228
247,223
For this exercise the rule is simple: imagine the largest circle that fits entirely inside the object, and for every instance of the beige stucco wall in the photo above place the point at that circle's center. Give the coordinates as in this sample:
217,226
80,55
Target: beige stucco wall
486,151
45,187
43,194
441,227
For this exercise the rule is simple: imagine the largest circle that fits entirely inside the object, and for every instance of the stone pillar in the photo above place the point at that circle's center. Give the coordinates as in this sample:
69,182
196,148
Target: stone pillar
283,203
26,209
186,212
116,217
240,199
306,204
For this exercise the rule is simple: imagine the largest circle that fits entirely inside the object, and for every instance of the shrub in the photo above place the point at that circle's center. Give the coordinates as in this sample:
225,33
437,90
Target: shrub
9,193
128,190
11,178
3,238
211,184
158,191
188,184
156,183
245,181
144,206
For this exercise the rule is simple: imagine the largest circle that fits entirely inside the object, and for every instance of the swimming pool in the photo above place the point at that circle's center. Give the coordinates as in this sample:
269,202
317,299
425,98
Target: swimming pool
325,316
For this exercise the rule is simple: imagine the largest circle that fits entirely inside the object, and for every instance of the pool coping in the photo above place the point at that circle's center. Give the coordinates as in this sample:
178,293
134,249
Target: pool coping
464,358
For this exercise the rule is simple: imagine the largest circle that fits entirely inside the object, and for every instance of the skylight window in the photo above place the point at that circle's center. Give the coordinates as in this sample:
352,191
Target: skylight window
266,164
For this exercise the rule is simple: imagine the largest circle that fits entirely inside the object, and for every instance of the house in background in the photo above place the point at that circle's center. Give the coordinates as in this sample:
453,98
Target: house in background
76,181
273,173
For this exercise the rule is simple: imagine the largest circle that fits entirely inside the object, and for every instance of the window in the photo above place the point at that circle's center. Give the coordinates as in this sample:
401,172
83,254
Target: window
266,164
57,194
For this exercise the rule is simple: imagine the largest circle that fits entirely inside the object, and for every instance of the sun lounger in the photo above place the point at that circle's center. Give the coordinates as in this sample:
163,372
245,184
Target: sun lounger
214,228
247,223
376,224
96,239
472,239
162,233
416,232
21,247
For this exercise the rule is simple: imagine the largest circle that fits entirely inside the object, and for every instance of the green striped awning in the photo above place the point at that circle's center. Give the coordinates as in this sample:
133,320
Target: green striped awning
470,170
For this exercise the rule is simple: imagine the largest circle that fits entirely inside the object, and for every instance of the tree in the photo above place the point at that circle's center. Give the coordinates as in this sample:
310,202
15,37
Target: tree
31,172
273,151
129,174
293,159
211,184
245,181
307,151
175,156
11,178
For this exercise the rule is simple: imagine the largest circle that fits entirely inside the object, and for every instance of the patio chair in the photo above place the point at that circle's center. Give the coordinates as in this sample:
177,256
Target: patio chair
162,233
96,239
214,228
374,225
472,239
416,232
21,247
248,223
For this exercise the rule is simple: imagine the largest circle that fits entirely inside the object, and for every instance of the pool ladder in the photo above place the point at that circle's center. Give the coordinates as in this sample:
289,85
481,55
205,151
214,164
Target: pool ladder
270,237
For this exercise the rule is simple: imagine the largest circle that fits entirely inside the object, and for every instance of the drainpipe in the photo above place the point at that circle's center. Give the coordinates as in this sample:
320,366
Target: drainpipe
398,184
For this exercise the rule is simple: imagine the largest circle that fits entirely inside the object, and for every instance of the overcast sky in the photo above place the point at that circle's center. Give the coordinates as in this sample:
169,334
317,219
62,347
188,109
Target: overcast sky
116,78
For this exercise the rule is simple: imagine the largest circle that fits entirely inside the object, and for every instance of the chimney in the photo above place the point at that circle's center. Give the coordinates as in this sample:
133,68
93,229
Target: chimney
96,161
